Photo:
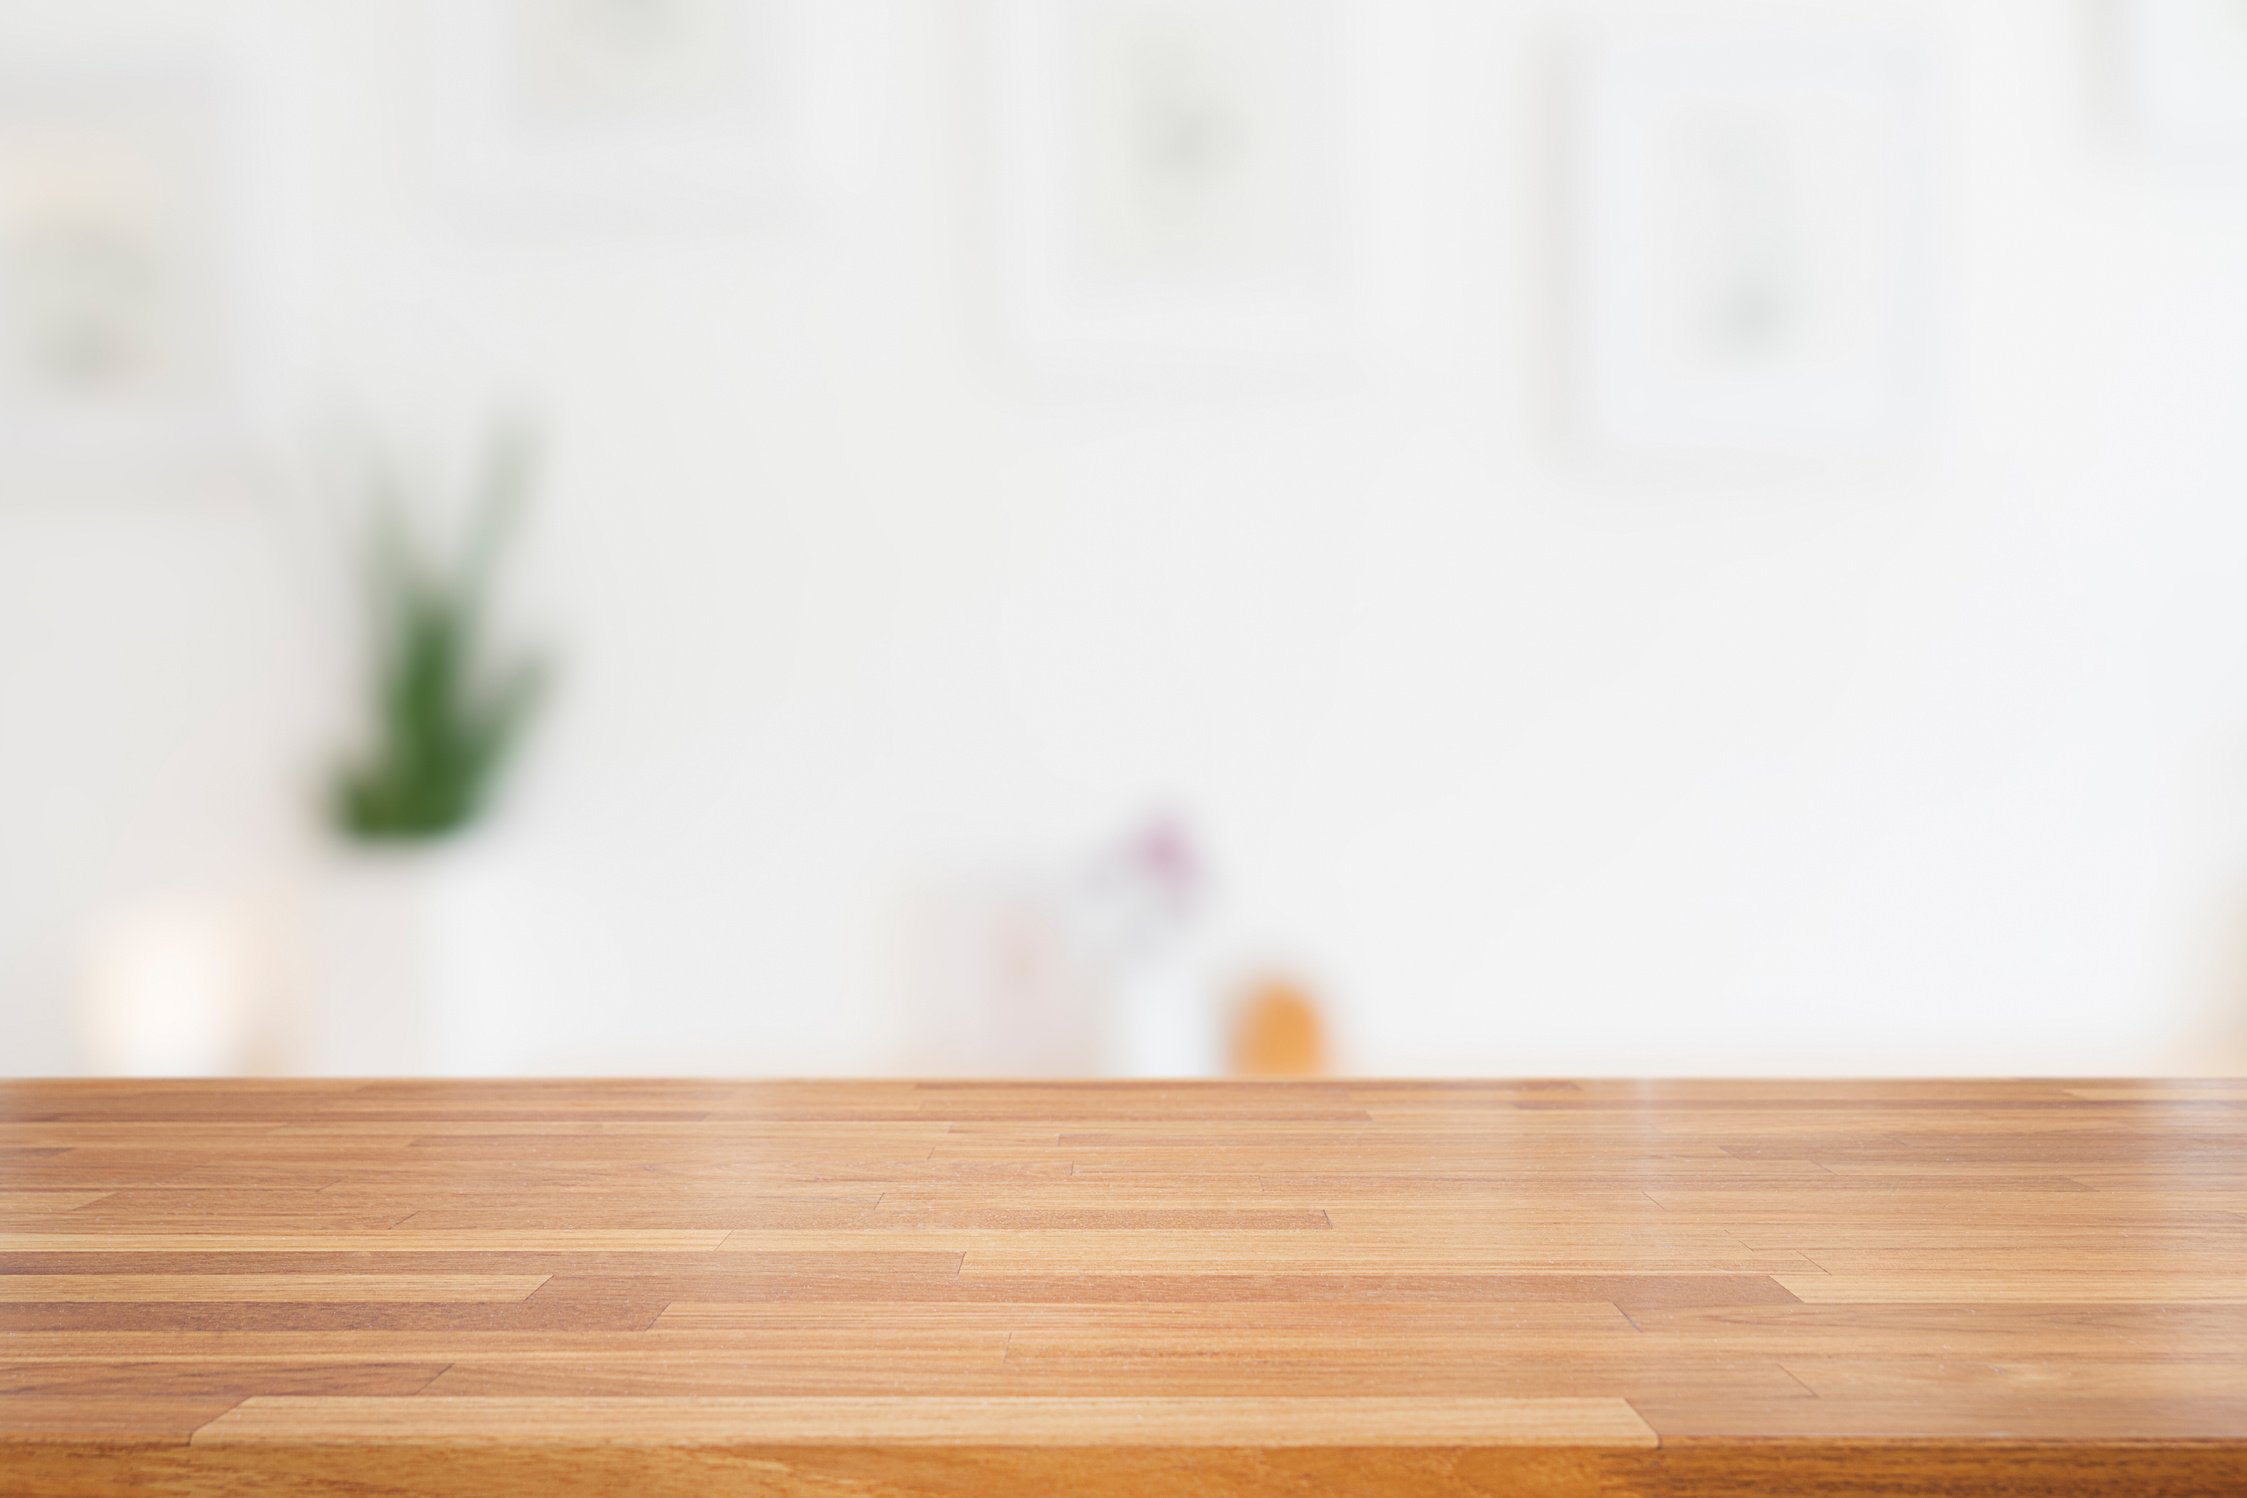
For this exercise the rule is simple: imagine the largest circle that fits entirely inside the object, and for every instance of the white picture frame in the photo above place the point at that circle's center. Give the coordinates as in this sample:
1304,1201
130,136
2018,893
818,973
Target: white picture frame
1755,243
617,112
1182,184
119,336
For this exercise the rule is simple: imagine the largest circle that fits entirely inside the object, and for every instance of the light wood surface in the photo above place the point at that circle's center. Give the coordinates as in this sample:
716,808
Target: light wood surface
888,1289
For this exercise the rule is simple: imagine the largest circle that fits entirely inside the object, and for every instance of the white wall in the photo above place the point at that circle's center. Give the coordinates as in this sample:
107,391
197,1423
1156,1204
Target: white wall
1536,763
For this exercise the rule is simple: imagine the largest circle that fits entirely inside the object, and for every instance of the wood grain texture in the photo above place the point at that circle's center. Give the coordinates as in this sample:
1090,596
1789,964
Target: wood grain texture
889,1289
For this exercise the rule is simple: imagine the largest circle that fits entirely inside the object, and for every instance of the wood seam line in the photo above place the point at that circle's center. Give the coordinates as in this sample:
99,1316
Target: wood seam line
1659,1439
1789,1372
189,1439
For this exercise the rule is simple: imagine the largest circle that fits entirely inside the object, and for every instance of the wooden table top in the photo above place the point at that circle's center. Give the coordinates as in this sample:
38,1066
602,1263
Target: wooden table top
890,1288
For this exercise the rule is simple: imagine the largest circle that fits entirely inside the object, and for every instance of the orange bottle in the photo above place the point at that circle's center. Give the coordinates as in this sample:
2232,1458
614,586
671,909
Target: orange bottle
1277,1032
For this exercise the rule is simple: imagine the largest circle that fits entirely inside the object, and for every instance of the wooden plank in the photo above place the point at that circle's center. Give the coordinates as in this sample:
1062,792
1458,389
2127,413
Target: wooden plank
1472,1287
2038,1282
497,1241
189,1289
932,1420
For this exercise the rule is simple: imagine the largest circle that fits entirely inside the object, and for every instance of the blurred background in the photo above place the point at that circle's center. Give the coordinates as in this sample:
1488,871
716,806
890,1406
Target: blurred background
1123,536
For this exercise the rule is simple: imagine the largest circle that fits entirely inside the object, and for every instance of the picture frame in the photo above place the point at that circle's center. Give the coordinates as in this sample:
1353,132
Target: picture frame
618,112
1181,185
119,346
1755,243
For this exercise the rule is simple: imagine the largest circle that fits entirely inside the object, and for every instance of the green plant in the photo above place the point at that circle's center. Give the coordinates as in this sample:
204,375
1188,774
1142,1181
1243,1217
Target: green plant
445,718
